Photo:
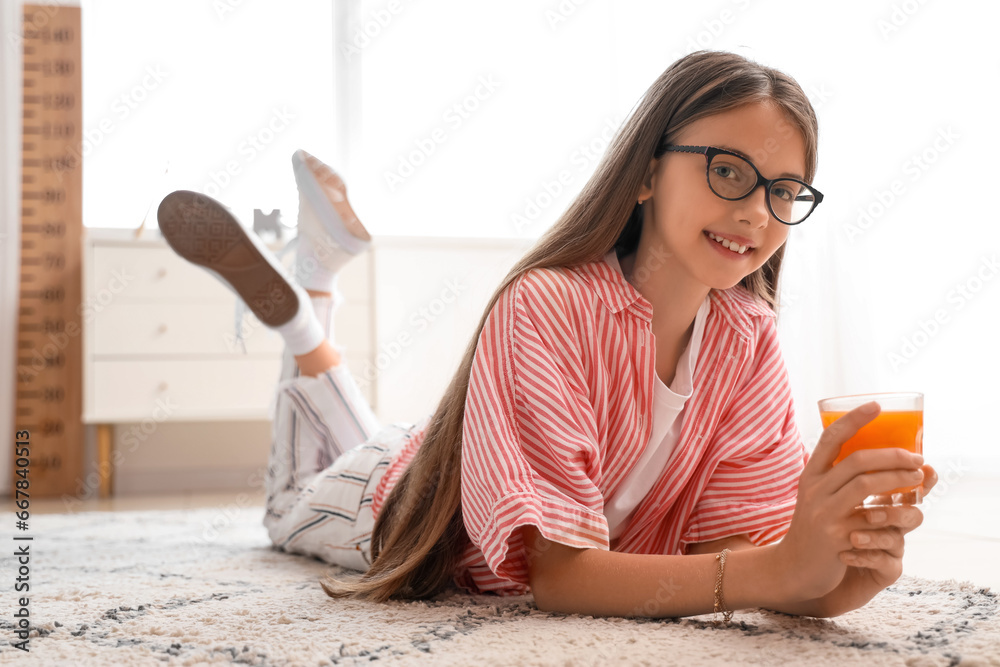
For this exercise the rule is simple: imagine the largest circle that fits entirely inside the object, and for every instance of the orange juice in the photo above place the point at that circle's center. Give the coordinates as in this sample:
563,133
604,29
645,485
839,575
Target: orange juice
903,428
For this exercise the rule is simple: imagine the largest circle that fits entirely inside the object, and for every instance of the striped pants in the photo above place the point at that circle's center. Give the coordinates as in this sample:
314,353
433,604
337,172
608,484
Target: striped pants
328,454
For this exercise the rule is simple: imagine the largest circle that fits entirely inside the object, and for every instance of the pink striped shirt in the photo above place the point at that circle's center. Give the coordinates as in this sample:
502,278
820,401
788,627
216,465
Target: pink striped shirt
559,410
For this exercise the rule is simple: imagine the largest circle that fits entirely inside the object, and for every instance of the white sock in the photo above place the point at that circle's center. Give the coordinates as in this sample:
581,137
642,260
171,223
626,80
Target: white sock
304,332
319,257
310,271
324,306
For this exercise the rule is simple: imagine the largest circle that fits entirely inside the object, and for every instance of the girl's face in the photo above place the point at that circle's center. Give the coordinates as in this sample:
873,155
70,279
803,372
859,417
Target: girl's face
682,215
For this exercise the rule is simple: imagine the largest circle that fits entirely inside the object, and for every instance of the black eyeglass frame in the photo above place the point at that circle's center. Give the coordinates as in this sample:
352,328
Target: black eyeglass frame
711,151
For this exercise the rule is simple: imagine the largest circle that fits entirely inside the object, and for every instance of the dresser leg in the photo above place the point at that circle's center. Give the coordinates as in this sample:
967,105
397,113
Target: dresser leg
105,433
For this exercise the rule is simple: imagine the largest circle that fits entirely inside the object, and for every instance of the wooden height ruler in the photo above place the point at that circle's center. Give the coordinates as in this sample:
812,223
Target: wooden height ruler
49,350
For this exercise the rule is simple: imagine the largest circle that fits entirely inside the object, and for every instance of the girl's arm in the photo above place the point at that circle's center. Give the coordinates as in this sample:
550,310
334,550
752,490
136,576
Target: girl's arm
806,573
608,583
603,583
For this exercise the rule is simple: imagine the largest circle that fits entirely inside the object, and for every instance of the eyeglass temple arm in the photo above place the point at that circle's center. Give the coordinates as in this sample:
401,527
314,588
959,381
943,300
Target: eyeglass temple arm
815,196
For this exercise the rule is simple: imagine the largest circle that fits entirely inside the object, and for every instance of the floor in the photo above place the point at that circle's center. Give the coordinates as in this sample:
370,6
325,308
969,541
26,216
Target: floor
959,539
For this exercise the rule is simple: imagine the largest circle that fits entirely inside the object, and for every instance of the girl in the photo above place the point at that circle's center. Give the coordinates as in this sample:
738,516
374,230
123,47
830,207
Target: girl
619,437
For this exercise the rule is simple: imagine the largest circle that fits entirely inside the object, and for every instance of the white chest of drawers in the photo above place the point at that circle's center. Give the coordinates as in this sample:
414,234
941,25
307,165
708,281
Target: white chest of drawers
160,342
159,331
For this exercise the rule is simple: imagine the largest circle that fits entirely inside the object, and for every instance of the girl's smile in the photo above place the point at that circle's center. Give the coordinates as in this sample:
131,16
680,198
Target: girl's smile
739,245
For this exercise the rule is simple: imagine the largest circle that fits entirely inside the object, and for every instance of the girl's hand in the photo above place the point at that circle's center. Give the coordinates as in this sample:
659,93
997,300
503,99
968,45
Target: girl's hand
884,528
825,518
876,561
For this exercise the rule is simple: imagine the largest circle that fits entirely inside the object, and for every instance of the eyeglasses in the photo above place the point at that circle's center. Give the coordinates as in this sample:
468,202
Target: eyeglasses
732,177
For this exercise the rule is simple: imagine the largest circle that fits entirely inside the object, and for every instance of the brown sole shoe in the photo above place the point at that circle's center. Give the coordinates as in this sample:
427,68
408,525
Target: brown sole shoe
204,232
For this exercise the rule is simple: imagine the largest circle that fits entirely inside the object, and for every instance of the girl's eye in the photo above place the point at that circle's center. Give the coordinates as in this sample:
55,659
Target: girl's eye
724,171
787,191
782,193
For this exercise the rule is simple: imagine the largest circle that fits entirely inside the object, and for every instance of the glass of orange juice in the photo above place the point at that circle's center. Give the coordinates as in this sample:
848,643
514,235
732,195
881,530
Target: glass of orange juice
899,424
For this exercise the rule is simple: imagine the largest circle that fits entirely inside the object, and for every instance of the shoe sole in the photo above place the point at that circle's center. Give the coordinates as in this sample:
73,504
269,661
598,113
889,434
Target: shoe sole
204,232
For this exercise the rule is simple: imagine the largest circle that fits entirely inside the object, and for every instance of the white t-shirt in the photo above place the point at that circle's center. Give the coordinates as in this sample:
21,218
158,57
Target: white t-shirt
668,410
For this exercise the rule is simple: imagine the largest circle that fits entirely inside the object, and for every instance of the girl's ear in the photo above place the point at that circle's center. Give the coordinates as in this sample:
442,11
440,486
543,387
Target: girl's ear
646,190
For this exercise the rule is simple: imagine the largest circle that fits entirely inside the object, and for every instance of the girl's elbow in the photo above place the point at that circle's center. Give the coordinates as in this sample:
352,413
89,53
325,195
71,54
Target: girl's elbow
542,589
542,577
549,598
549,594
544,600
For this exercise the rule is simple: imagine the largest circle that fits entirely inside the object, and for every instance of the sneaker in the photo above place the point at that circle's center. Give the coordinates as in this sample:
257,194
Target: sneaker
329,230
206,233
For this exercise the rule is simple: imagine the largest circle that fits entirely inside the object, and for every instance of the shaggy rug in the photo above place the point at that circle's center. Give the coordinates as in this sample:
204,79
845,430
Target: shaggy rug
204,587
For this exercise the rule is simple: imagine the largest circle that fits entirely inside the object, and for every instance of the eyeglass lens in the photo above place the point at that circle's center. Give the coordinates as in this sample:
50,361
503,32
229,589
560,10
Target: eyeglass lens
732,177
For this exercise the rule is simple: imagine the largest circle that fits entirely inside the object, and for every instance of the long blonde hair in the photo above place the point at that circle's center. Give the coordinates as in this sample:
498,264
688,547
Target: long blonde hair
419,533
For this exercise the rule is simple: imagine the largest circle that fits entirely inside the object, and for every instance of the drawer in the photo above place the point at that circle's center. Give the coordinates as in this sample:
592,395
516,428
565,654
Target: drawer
206,328
154,391
174,328
157,272
149,272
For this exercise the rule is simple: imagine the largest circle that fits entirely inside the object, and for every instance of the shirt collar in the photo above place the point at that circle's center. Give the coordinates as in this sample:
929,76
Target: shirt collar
739,308
736,305
606,279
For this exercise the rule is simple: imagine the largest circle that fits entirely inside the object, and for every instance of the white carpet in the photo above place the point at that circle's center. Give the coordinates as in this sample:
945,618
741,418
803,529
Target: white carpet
204,586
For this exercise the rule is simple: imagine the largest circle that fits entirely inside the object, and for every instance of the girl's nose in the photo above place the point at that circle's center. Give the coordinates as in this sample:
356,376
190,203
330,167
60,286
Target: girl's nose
754,209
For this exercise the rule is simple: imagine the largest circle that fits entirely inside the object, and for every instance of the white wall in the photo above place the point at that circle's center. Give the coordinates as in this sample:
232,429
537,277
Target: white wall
429,295
10,223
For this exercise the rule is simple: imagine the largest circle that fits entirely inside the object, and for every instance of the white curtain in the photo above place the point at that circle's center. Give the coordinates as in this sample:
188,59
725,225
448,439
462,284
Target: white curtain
824,321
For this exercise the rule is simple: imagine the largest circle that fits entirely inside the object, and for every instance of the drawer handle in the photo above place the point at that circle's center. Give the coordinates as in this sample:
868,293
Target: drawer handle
162,386
162,329
162,273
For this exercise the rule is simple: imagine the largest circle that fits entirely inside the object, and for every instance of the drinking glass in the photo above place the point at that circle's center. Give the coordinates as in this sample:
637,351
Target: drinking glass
899,424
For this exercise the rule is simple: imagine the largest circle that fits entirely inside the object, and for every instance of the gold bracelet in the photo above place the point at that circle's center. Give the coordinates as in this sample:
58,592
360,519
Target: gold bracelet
720,601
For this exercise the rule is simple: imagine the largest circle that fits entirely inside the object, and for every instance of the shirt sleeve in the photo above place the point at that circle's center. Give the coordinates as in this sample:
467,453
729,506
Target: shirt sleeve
760,456
530,452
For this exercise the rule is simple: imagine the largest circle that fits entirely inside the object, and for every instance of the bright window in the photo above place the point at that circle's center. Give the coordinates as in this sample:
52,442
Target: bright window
201,95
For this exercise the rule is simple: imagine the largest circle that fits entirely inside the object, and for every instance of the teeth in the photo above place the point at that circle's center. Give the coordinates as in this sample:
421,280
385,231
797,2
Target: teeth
730,245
